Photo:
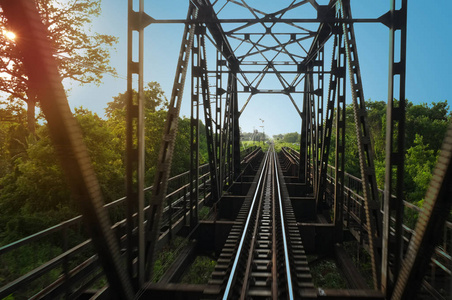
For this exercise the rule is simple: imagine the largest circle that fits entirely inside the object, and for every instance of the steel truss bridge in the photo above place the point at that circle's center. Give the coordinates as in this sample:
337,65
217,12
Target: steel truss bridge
268,211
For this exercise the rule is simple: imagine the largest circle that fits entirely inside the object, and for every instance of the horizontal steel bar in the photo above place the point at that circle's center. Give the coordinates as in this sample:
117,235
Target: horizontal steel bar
263,20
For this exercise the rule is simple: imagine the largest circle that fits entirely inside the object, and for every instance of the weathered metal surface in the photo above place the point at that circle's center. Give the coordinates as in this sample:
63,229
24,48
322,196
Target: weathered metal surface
392,243
366,161
168,141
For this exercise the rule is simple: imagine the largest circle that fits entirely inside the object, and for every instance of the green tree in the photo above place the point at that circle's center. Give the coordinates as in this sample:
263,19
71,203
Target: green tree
13,135
429,121
292,137
278,137
155,106
34,193
419,164
81,55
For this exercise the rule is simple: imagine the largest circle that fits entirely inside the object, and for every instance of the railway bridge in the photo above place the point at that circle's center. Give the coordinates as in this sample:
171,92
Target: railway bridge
271,214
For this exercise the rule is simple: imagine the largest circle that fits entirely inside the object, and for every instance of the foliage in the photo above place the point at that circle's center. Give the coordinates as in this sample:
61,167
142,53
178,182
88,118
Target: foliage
326,274
425,129
293,137
199,271
254,136
166,256
280,144
81,55
204,213
34,194
419,163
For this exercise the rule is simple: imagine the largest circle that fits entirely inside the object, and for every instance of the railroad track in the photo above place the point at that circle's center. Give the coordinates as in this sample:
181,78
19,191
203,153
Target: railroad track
263,257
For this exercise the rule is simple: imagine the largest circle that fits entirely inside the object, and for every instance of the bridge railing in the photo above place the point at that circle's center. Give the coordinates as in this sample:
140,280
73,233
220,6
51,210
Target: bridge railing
71,258
71,266
438,282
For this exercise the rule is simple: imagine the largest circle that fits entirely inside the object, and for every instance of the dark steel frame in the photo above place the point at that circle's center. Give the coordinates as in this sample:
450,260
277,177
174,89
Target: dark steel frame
400,275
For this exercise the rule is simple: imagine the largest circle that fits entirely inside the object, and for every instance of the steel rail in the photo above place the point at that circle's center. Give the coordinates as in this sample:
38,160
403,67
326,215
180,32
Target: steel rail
259,213
242,239
283,229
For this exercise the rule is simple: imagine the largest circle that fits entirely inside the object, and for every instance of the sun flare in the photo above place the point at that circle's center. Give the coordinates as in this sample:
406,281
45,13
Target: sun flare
9,35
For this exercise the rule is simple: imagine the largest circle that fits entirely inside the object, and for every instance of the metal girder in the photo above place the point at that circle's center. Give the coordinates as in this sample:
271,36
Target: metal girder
209,17
135,148
44,79
392,244
312,145
168,141
336,89
219,92
199,70
366,161
429,226
339,180
194,136
304,159
235,129
227,131
319,67
308,141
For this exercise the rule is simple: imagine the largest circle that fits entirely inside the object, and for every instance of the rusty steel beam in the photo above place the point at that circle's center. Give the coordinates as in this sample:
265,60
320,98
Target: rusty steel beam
363,135
199,72
167,147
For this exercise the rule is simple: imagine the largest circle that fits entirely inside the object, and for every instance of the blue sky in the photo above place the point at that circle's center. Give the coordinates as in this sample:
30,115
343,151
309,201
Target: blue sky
429,60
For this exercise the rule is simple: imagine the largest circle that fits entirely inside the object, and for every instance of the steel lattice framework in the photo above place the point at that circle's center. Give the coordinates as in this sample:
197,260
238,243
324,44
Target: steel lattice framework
289,46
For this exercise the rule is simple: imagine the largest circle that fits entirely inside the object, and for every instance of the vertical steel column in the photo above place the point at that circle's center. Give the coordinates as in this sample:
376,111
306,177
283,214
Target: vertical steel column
319,68
370,189
392,247
168,141
312,146
201,72
219,91
235,128
340,134
194,133
303,171
135,163
226,134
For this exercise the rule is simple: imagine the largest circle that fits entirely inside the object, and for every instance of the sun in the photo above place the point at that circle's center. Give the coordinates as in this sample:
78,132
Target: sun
9,35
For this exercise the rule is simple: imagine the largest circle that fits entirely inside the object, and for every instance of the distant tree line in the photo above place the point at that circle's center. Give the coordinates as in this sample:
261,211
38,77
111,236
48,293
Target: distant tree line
254,136
292,137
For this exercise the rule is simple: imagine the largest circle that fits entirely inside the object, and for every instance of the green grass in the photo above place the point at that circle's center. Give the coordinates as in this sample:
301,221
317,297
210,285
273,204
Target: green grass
279,145
199,271
361,259
167,256
326,274
204,213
